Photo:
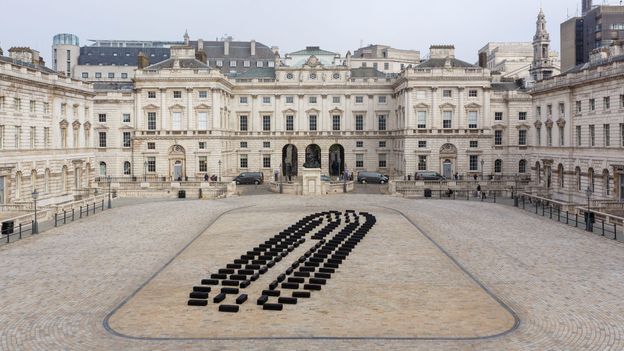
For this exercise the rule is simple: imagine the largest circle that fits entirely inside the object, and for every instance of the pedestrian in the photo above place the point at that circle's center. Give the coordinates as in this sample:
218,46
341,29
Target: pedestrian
474,176
276,174
456,176
206,177
478,190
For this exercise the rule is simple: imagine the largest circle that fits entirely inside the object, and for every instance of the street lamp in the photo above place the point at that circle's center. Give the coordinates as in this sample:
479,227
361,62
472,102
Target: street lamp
35,226
145,171
109,179
588,222
482,163
219,170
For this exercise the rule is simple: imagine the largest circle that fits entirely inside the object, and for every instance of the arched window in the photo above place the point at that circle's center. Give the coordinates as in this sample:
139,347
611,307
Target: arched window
102,169
522,166
498,166
590,179
605,183
127,168
561,175
577,173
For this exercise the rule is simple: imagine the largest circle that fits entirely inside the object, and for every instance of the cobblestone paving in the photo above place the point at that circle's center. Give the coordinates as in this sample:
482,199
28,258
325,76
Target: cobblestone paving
565,285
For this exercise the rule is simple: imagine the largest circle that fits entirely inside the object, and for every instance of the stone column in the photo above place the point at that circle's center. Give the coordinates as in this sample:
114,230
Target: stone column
251,120
302,114
163,110
216,109
278,117
408,116
462,121
139,119
190,114
325,120
349,124
435,119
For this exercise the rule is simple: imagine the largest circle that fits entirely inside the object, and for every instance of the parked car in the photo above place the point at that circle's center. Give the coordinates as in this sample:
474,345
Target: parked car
249,178
325,178
371,177
428,175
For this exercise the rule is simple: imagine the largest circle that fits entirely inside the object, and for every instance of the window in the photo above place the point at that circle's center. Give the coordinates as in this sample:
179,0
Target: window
202,120
151,146
359,99
472,119
243,161
375,65
447,117
312,99
102,117
266,99
102,139
336,99
177,94
219,63
232,63
382,99
246,64
151,164
202,94
548,110
124,75
242,123
522,116
125,118
621,101
359,160
422,162
498,137
151,94
548,136
386,66
522,166
422,144
592,135
98,75
381,122
176,120
538,136
18,136
382,144
592,104
474,144
498,116
127,168
1,103
266,161
312,120
127,140
85,74
538,111
259,63
33,106
382,160
266,144
266,123
561,109
203,163
578,136
607,134
622,134
498,166
447,93
102,172
561,136
202,145
290,122
242,100
290,99
1,137
422,119
151,120
46,136
335,122
474,162
359,143
111,75
472,93
33,136
359,122
522,137
579,106
243,144
606,102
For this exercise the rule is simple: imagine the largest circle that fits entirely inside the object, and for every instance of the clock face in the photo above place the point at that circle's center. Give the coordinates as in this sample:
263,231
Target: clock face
312,75
289,76
336,75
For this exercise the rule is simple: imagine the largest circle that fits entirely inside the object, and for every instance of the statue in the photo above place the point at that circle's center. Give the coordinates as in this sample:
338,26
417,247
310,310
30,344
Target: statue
313,157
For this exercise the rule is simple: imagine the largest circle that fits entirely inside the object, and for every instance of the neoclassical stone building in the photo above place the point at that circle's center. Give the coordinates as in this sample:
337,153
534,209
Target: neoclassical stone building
46,131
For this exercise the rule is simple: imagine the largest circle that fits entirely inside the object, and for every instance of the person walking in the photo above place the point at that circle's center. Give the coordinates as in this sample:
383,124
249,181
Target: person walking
479,190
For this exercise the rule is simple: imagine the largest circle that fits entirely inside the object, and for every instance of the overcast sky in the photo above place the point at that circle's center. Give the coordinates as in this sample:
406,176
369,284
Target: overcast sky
335,25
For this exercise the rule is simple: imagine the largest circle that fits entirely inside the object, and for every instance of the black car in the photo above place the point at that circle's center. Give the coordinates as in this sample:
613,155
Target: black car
371,177
250,178
428,175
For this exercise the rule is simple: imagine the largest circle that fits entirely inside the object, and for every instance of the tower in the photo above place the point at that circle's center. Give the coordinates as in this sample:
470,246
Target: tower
587,5
65,52
543,65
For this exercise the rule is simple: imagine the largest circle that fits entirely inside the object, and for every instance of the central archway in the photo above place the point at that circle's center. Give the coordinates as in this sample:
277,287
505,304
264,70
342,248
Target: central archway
289,161
336,160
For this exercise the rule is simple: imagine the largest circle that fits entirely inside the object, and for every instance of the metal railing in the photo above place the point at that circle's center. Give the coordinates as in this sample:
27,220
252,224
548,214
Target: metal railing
77,213
16,233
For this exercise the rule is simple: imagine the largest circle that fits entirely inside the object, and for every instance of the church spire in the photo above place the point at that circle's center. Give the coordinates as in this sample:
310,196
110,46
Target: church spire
186,37
543,65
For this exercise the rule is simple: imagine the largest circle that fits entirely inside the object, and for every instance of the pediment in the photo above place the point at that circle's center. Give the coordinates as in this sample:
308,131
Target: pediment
289,111
202,107
447,105
151,107
523,126
421,105
126,127
472,105
336,110
176,107
313,111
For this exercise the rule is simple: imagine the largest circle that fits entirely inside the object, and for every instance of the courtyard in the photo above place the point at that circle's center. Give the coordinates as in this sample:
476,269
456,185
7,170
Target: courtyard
428,275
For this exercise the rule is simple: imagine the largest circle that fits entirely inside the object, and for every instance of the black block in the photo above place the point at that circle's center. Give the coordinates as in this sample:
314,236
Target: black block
246,271
198,295
304,294
218,276
254,277
238,277
278,258
241,299
295,280
273,285
241,261
322,275
290,286
252,266
229,290
330,265
289,270
218,298
226,271
307,269
201,288
281,277
228,308
270,264
272,306
271,292
262,299
197,302
287,300
302,274
258,262
312,287
244,284
233,266
317,281
295,265
263,269
312,264
210,282
230,282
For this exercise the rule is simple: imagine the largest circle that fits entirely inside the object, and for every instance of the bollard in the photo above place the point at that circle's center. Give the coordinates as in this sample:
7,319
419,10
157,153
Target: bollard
614,231
20,230
87,210
603,228
567,217
102,204
576,220
80,211
55,219
64,217
72,214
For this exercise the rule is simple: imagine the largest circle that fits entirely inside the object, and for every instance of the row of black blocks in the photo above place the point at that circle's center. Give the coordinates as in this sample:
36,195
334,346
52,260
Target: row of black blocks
248,268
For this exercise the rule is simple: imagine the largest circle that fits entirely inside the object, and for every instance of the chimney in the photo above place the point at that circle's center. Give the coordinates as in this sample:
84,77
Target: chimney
41,61
226,46
200,55
274,49
442,51
253,48
200,44
143,61
483,58
349,58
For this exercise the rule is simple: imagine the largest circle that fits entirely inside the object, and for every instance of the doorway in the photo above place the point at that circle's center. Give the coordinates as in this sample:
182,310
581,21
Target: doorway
336,160
177,170
289,161
621,176
447,169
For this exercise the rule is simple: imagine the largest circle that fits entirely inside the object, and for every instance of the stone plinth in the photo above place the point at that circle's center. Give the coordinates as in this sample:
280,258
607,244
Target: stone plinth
311,181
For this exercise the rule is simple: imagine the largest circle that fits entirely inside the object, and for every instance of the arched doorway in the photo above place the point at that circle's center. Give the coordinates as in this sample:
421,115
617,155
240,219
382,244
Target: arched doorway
448,153
177,162
447,169
289,161
313,156
336,160
548,176
606,184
